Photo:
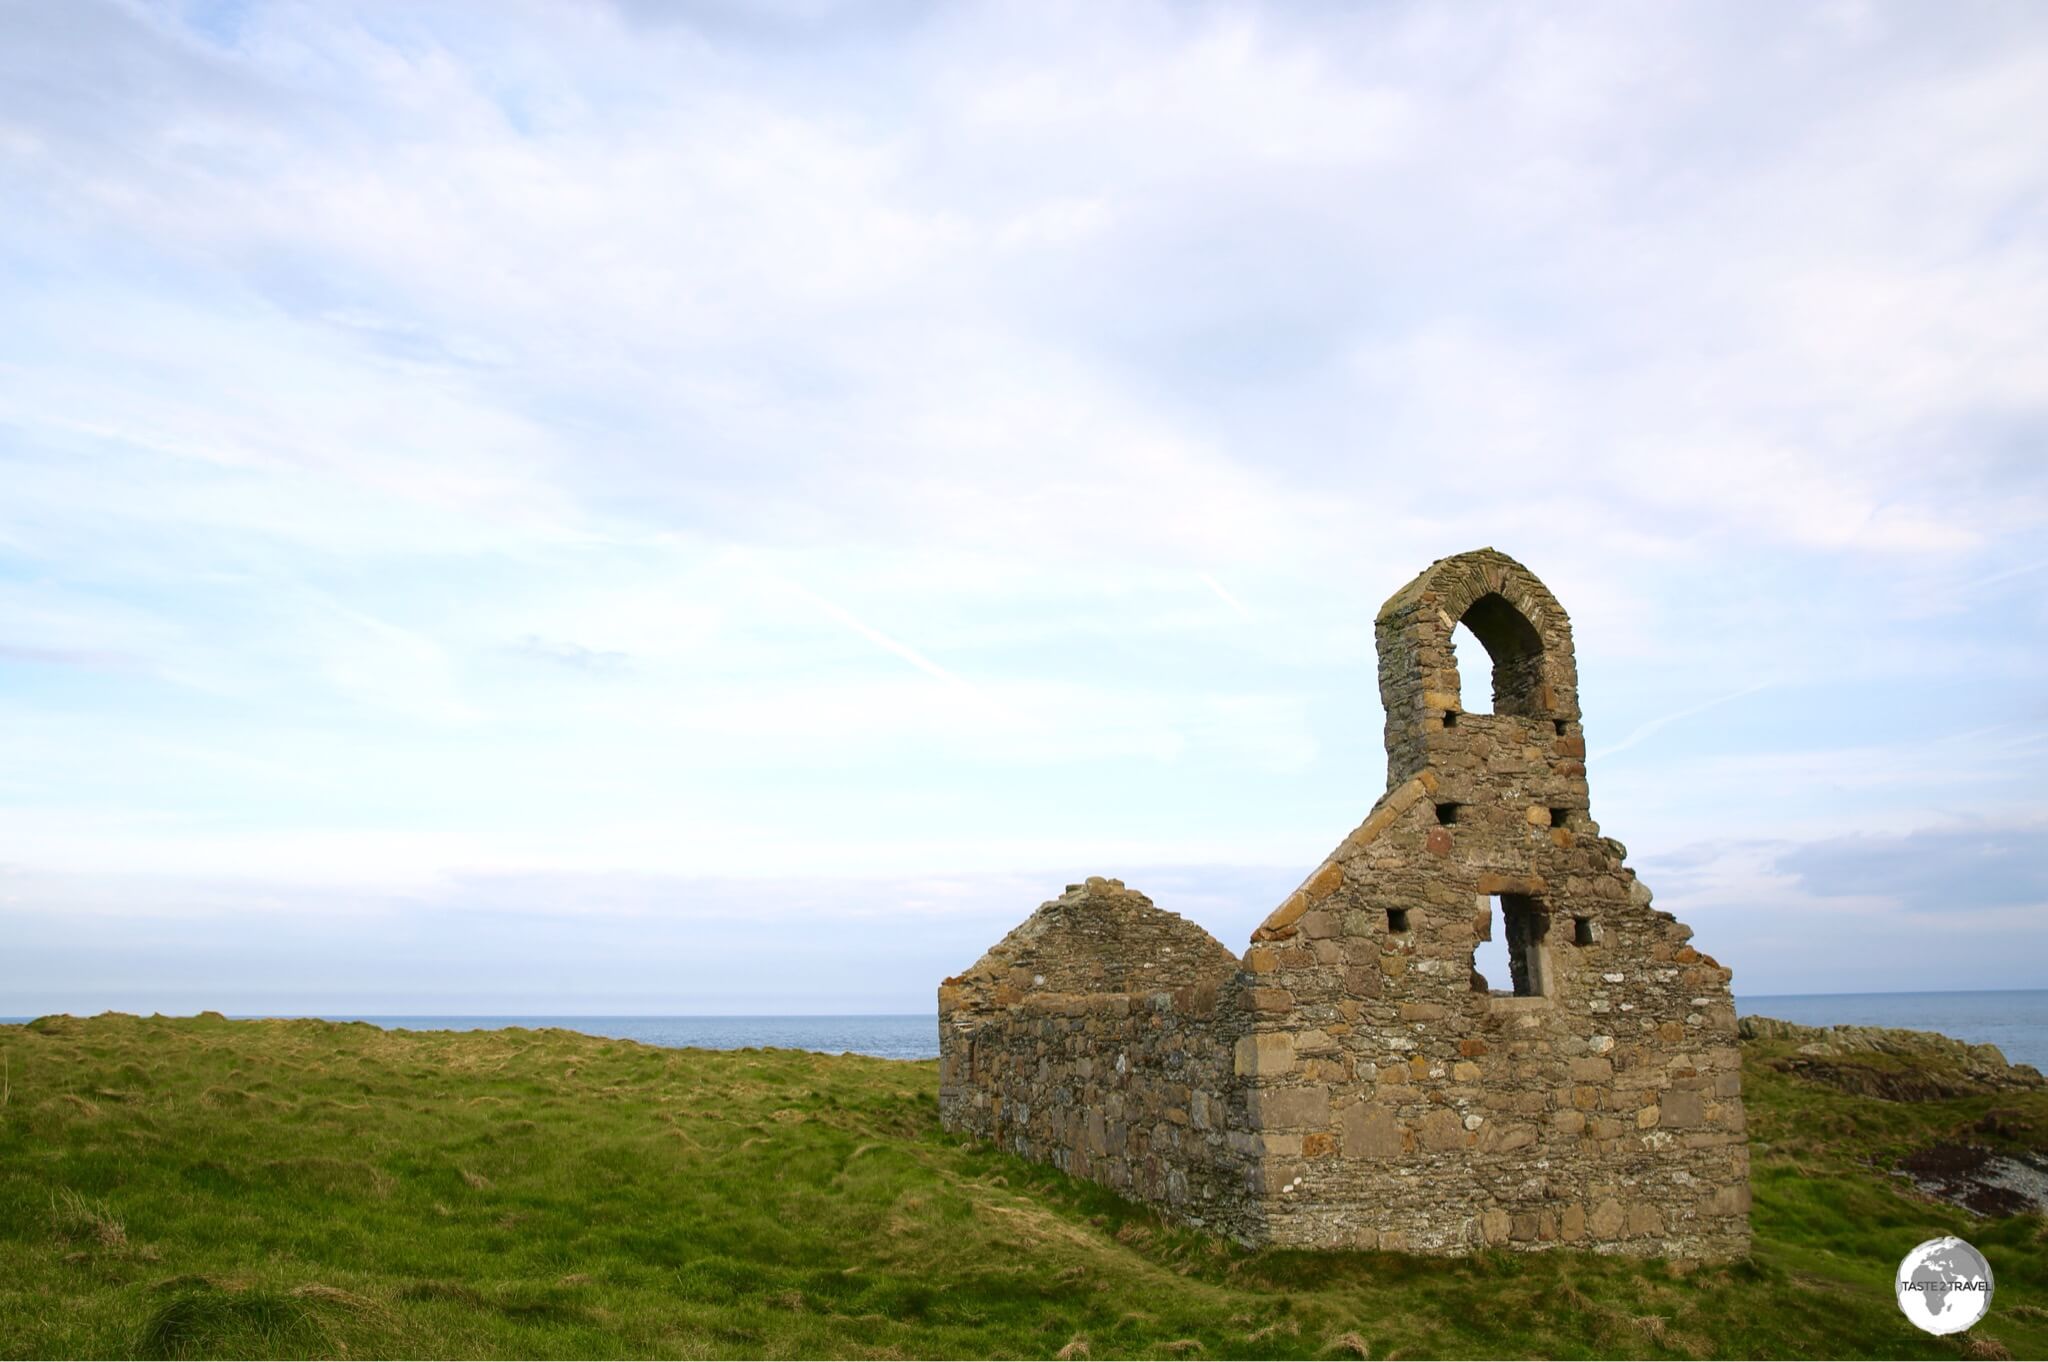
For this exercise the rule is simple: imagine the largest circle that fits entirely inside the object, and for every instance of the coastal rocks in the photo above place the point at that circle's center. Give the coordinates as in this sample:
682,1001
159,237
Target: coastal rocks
1987,1181
1889,1063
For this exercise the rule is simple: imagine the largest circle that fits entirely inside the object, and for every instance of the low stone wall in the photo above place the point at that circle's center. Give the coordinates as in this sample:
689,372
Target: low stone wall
1130,1090
1097,1037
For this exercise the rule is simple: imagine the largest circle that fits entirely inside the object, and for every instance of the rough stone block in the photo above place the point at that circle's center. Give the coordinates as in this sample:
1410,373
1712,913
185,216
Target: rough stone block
1682,1110
1280,922
1271,1108
1730,1200
1443,1129
1265,1055
1371,1132
1313,1041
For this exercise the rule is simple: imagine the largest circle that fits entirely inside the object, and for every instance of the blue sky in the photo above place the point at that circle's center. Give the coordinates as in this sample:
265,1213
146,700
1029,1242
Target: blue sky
722,508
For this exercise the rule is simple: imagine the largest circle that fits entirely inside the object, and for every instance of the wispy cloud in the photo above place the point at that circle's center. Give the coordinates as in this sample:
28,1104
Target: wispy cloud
880,639
1222,595
1657,725
561,652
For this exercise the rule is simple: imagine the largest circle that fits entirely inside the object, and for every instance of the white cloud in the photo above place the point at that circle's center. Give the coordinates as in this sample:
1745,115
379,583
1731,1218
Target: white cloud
406,420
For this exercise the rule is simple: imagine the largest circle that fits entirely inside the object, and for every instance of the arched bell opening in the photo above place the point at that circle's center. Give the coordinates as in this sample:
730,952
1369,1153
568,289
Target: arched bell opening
1514,650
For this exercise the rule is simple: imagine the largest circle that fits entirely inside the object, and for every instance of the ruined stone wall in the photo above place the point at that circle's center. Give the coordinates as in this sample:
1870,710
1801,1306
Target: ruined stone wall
1352,1081
1399,1107
1404,1103
1094,1038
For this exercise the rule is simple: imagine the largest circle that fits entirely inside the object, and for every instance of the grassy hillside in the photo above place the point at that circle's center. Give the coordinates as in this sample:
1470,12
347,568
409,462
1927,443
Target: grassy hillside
213,1188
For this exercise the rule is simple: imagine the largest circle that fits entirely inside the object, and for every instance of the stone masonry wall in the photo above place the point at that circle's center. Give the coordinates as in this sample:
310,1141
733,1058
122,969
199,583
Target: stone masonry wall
1094,1038
1352,1081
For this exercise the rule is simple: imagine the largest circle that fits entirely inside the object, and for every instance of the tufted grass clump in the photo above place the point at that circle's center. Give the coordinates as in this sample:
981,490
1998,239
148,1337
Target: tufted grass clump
84,1219
184,1188
204,1321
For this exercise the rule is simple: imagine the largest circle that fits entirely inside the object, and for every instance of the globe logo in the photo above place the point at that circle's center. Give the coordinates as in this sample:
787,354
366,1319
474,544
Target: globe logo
1944,1286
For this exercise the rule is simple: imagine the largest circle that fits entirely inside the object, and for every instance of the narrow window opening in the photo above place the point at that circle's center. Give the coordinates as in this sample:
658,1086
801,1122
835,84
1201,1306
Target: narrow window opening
1397,919
1562,727
1510,960
1490,956
1447,814
1560,817
1582,931
1450,718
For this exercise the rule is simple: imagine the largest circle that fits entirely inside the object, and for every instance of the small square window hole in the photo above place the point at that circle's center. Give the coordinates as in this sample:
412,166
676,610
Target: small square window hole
1447,814
1397,919
1582,932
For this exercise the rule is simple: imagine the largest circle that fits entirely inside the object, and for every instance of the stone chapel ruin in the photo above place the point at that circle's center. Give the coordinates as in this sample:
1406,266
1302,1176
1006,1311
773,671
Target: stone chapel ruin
1352,1081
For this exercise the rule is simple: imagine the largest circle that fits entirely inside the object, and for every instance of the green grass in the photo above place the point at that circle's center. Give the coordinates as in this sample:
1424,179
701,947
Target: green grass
205,1188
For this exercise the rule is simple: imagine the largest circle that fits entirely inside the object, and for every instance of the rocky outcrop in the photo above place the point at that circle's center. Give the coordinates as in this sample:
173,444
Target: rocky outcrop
1890,1063
1981,1178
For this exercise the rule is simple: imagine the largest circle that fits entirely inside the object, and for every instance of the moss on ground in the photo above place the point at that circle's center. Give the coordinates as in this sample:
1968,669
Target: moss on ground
207,1188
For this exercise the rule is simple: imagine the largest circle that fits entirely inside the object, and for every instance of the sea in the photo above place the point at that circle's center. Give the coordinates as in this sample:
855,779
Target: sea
904,1036
2015,1020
